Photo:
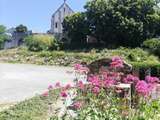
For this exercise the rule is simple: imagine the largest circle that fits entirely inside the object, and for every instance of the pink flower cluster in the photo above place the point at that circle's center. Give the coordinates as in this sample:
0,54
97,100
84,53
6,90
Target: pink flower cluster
130,79
150,79
45,94
99,81
143,88
80,68
94,80
106,79
64,94
80,85
117,62
77,66
50,87
109,82
96,90
64,89
57,85
77,105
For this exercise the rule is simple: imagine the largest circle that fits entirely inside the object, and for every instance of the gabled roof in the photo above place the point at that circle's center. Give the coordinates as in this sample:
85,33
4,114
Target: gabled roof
61,7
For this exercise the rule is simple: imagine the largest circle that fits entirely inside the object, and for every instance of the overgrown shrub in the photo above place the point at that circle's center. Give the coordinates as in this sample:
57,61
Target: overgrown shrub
41,42
153,45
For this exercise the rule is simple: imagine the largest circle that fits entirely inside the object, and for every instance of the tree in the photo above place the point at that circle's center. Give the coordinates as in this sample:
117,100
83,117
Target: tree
21,28
123,22
2,29
76,28
3,35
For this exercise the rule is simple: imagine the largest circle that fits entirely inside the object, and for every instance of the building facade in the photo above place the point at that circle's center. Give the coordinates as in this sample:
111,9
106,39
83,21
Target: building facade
58,17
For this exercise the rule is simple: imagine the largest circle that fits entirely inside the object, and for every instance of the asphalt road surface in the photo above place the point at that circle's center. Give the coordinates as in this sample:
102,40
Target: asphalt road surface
22,81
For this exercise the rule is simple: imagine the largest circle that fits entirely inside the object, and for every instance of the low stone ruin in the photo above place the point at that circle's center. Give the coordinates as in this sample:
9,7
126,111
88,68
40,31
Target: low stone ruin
97,65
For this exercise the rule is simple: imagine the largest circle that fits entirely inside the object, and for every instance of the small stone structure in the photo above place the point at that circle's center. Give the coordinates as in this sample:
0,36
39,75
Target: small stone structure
17,39
97,65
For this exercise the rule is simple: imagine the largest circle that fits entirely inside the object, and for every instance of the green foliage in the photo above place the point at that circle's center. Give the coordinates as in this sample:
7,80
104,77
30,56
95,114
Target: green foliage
137,57
21,28
2,29
115,22
147,111
153,45
100,107
3,35
75,27
35,108
41,42
144,111
124,23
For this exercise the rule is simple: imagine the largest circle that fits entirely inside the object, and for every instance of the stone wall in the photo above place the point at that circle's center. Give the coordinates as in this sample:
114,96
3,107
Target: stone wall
16,40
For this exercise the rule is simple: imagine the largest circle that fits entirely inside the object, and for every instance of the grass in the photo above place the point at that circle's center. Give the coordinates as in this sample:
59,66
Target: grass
6,106
135,56
35,108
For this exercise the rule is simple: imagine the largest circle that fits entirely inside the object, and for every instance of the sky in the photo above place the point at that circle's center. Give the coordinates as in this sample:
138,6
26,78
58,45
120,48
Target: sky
35,14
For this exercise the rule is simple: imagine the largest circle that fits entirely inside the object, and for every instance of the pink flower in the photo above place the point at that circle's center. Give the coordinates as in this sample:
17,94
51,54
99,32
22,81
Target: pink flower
109,82
84,70
151,86
77,105
50,87
58,84
64,94
80,68
96,90
150,79
45,94
143,88
68,86
80,85
130,79
117,62
94,80
77,66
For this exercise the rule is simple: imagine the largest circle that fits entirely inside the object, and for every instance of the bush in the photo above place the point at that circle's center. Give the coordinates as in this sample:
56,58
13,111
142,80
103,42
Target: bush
41,42
153,45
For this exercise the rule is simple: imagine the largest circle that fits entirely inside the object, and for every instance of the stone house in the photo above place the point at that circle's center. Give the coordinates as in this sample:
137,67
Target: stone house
58,17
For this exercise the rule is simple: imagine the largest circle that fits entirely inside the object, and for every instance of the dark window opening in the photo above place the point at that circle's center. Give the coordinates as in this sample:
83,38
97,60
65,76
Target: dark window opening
64,9
56,25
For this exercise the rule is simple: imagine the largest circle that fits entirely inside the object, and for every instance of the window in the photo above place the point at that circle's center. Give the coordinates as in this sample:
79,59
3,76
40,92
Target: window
56,24
64,10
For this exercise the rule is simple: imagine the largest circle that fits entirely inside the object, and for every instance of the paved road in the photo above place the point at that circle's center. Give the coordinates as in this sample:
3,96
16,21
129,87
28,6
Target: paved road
21,81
